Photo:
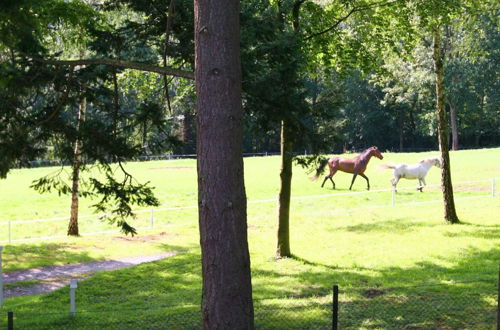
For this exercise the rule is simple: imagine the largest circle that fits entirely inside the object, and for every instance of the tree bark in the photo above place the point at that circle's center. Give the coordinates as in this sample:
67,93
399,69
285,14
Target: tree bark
75,177
227,290
283,246
450,214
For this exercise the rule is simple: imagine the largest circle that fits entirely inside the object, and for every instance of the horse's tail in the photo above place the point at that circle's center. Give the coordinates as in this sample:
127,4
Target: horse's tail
320,169
386,166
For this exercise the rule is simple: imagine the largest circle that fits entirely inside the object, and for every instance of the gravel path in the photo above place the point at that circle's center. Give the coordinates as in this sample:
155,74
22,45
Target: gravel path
55,277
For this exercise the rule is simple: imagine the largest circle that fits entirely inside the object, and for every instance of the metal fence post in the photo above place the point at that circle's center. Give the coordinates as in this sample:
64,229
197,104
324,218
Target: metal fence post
1,277
10,320
335,308
152,218
72,303
393,202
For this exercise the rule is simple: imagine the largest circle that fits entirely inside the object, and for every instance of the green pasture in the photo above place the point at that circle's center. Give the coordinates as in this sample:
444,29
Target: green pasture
397,267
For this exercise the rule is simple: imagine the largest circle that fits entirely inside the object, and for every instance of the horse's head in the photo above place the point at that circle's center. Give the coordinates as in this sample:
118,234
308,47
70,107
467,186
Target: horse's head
375,152
436,161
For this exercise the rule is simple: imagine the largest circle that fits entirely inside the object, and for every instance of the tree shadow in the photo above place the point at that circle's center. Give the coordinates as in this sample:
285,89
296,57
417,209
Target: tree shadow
137,297
427,295
397,225
26,256
474,230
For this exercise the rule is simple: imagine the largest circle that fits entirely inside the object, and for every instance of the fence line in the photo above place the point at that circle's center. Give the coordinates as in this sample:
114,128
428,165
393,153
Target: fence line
272,200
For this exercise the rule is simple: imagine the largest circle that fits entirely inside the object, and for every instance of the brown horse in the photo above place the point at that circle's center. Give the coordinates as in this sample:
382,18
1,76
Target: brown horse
356,165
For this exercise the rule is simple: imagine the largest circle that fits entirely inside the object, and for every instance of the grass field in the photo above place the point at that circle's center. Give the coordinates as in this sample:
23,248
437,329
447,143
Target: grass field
397,267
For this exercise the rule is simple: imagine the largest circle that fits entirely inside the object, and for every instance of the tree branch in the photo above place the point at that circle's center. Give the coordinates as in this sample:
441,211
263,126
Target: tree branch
335,25
352,11
120,64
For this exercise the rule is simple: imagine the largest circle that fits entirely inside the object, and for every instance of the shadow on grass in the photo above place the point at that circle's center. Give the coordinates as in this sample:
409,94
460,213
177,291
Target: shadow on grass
397,226
426,296
26,256
477,231
126,298
167,294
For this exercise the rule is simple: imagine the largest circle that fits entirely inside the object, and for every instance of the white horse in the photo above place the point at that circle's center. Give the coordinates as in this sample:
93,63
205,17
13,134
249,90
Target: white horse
415,171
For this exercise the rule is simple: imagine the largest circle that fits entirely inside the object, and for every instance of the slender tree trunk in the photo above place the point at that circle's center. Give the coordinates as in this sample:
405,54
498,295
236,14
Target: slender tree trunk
453,126
75,178
227,289
283,247
286,146
168,26
450,214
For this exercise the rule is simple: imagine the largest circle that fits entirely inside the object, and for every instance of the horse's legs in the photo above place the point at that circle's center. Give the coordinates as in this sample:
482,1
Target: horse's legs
353,178
329,176
367,181
422,184
326,178
395,181
333,183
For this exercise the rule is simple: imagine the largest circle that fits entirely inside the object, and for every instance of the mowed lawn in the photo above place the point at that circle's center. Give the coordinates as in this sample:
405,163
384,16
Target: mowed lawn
397,267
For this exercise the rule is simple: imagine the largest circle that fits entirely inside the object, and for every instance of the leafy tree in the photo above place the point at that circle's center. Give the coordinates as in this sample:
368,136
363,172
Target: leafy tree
431,16
37,46
301,38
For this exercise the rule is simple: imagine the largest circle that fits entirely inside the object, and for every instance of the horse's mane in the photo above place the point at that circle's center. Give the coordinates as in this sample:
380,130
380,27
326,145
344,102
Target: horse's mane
428,159
367,150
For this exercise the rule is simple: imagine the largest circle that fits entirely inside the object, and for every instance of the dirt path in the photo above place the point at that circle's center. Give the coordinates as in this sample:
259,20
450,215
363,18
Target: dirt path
55,277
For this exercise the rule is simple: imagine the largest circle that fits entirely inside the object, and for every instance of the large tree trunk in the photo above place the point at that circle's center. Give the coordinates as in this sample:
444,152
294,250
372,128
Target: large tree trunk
227,290
283,247
75,178
450,214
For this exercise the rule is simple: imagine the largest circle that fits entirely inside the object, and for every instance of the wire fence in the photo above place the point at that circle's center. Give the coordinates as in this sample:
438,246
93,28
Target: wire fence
12,231
466,305
142,158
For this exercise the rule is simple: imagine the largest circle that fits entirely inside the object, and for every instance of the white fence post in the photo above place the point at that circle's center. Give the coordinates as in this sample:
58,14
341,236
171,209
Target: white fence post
72,303
393,196
10,235
152,218
1,277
